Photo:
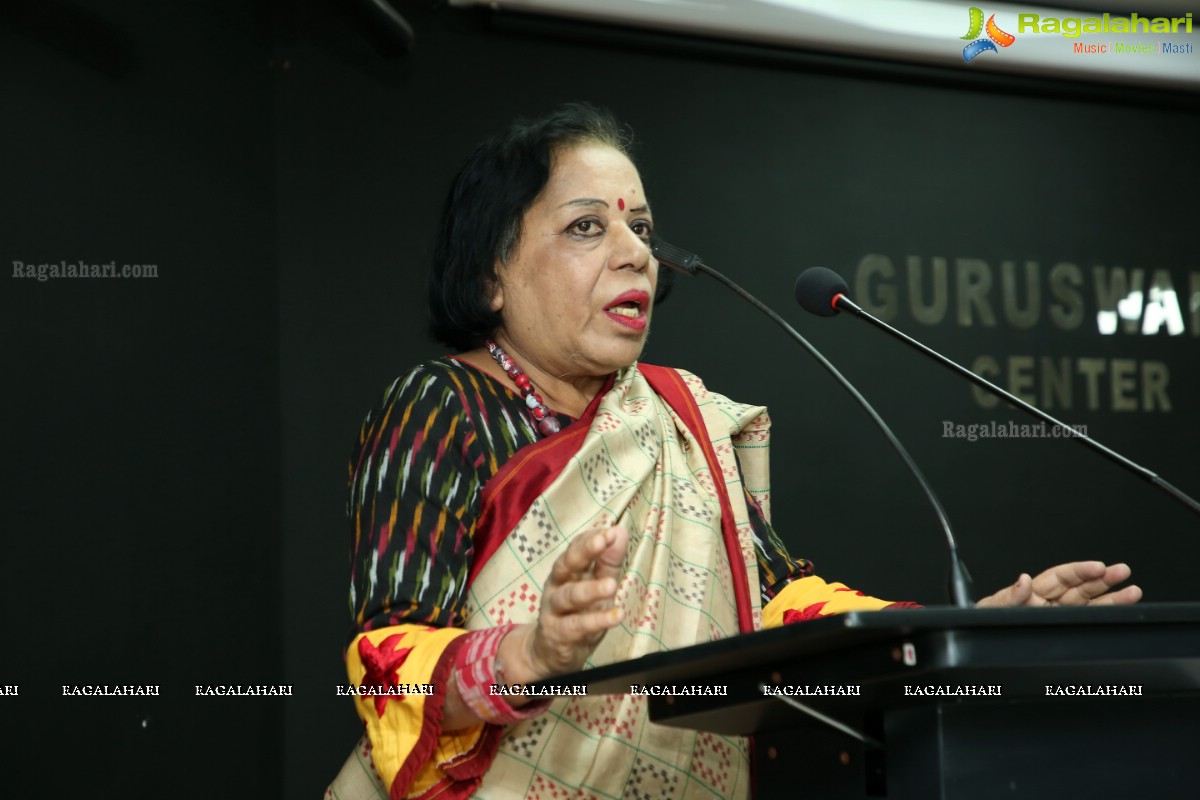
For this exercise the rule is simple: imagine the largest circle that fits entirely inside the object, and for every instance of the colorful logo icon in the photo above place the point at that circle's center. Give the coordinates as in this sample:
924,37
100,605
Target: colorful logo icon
995,36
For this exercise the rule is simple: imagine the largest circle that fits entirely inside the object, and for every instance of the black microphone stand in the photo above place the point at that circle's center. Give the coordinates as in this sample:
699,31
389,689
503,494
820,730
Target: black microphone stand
840,301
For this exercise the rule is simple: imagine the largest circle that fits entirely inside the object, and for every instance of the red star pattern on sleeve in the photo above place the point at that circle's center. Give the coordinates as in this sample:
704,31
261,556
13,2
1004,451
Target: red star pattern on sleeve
811,612
382,665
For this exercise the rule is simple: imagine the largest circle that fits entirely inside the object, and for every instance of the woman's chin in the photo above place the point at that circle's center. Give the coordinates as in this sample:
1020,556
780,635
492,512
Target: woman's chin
607,360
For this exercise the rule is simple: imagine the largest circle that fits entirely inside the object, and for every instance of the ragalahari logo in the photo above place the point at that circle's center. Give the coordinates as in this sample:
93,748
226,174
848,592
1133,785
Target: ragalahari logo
995,36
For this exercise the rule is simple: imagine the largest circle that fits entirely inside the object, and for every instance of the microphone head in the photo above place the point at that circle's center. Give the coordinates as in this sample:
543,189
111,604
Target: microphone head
816,289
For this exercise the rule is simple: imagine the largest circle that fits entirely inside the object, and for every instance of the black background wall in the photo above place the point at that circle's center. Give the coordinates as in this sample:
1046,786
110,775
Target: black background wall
174,485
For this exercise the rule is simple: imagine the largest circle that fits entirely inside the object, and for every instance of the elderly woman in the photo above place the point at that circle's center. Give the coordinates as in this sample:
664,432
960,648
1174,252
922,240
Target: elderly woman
542,502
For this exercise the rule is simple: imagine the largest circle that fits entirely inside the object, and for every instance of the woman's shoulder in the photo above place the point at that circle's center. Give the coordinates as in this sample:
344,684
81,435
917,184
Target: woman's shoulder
445,387
739,414
662,375
430,379
448,397
427,402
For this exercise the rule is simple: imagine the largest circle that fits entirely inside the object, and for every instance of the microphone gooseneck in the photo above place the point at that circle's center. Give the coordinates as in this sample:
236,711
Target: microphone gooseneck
683,261
820,290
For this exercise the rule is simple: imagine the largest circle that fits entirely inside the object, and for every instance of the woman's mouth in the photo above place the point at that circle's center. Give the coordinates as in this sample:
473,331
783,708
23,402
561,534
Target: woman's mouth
629,309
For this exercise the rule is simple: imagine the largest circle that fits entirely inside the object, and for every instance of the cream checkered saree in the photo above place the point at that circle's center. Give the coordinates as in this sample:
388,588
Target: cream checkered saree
656,454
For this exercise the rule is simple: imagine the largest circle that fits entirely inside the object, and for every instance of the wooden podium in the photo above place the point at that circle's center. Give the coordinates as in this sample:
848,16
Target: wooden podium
947,703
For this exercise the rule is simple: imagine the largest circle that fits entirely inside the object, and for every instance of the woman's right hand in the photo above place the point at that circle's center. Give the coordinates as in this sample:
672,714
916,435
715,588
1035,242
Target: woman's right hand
577,609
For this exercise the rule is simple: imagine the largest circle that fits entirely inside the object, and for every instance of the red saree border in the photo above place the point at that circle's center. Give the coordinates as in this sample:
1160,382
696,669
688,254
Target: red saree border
505,502
670,386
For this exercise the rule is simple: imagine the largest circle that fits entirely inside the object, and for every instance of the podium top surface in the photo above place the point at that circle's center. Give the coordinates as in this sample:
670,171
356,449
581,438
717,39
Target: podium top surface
953,638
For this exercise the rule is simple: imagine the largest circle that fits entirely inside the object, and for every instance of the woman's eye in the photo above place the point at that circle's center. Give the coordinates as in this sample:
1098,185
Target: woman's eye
586,228
643,229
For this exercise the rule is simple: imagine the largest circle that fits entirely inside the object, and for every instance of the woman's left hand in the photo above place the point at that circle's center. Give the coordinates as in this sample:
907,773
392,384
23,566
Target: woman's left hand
1080,583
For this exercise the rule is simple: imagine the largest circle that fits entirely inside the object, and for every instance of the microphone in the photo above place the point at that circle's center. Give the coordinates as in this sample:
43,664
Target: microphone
823,292
817,290
681,260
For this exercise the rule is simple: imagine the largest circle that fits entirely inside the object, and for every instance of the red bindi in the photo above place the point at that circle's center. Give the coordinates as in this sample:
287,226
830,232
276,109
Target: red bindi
621,203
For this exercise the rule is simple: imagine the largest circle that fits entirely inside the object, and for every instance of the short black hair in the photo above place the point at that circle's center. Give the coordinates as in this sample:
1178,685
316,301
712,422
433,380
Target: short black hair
481,220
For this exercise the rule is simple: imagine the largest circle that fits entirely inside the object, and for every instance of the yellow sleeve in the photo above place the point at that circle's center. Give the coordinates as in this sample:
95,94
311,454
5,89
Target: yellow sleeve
399,675
812,597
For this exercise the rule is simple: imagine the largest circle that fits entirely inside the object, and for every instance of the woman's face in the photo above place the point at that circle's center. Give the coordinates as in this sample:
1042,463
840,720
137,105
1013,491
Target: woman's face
575,297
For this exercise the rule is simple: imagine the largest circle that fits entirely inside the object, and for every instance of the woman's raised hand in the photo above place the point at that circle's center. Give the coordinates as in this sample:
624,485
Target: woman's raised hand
577,608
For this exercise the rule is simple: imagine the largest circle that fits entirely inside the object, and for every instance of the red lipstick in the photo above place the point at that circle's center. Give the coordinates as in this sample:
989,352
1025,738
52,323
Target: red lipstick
629,309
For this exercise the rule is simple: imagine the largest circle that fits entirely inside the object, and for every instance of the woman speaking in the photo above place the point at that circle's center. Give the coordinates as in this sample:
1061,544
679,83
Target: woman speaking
541,503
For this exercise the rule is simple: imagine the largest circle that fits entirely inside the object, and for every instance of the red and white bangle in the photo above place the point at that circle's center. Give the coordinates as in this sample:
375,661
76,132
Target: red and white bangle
476,672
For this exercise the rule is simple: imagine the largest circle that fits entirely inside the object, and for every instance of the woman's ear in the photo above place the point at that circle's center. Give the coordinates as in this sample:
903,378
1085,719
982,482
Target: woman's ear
496,301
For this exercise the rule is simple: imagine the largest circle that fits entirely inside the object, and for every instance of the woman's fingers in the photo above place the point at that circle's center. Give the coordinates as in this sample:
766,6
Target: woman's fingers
579,595
1124,597
1074,583
582,628
577,604
580,556
610,562
1078,582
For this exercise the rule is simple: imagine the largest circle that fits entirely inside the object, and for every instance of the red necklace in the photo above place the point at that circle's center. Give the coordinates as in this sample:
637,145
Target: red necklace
544,421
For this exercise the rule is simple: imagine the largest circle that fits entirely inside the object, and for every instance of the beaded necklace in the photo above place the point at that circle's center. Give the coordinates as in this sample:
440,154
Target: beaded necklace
543,419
